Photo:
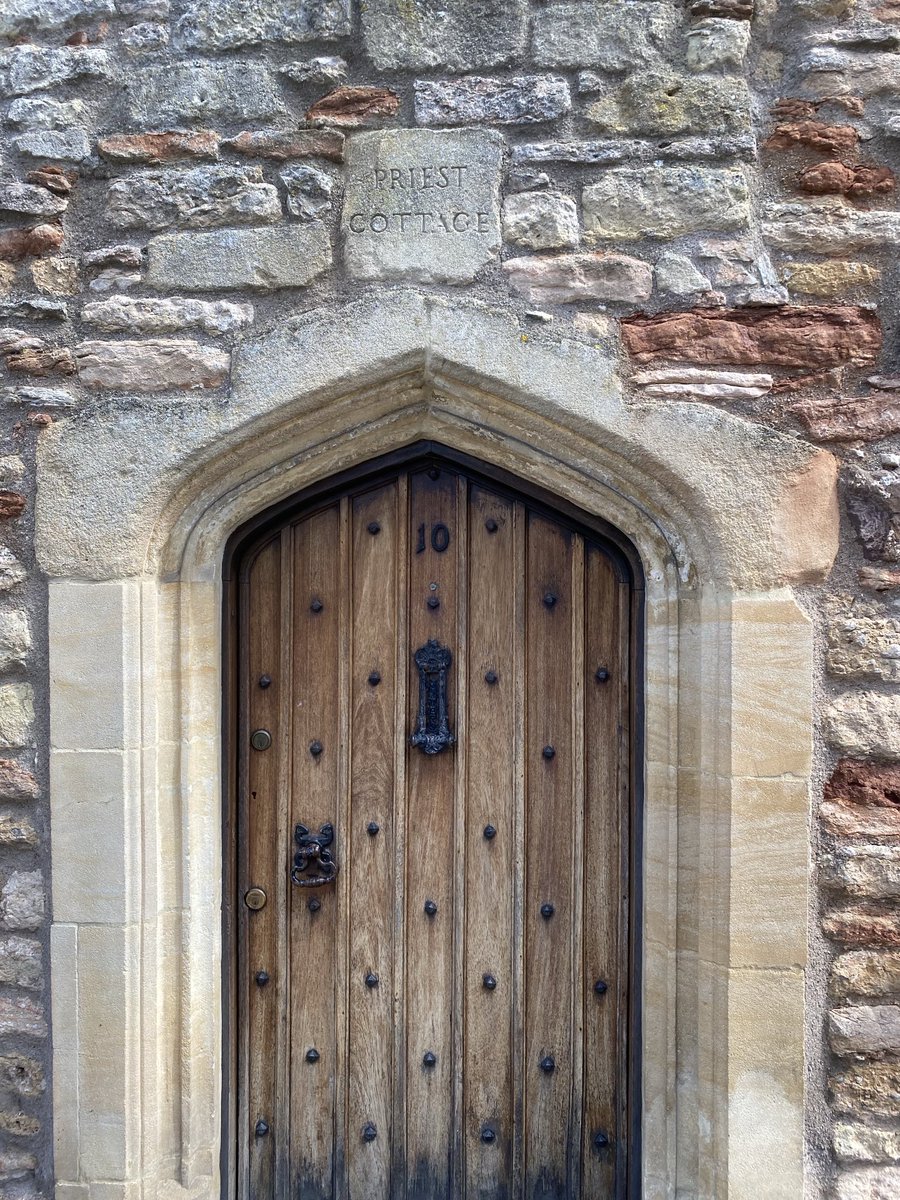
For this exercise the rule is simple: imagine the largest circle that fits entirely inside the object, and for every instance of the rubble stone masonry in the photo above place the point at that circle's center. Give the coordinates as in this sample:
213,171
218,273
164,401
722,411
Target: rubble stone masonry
706,187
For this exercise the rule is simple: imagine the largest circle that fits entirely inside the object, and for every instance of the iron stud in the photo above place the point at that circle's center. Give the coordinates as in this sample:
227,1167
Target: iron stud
260,739
316,748
548,1064
373,527
601,675
430,908
372,828
265,681
491,525
374,679
433,473
547,911
312,1055
548,752
550,598
371,980
490,677
314,905
255,898
601,986
316,605
369,1133
433,602
488,1136
429,1058
262,1128
601,1139
262,978
489,982
490,832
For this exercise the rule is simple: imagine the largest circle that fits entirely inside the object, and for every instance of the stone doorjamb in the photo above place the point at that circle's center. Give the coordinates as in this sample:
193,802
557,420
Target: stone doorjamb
136,502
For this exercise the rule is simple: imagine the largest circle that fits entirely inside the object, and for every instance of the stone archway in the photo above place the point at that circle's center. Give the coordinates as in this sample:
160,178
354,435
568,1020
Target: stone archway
136,768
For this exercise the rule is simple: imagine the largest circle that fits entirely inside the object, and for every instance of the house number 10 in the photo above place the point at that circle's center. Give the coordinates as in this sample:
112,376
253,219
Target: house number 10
440,538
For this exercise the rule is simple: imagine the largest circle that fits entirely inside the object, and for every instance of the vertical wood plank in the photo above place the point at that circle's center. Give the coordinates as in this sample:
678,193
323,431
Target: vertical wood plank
490,944
577,803
345,873
605,893
400,748
433,576
549,850
460,897
258,830
316,800
520,524
370,865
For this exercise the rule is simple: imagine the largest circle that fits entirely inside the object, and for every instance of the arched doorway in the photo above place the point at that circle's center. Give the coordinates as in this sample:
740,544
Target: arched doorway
432,879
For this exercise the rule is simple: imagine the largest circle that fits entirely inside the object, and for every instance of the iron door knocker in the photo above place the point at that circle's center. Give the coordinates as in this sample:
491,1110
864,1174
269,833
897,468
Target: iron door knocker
314,863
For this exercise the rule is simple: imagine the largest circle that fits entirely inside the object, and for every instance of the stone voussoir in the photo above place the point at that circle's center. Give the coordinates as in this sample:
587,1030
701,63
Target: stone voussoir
151,366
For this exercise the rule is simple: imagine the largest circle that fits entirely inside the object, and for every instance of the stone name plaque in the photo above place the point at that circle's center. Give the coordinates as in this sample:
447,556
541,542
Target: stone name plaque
422,205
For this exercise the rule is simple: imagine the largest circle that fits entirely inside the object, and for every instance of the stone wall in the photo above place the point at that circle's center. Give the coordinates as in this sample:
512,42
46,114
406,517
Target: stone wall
705,190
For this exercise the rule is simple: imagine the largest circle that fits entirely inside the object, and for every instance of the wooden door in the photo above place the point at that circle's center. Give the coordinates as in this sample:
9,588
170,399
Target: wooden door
434,737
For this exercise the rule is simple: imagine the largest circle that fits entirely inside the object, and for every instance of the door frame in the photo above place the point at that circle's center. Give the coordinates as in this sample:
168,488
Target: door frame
240,548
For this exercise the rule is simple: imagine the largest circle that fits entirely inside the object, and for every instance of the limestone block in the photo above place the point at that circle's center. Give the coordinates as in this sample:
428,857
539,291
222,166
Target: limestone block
422,205
829,227
123,314
19,1124
865,724
570,278
201,91
308,191
15,638
16,1164
25,69
521,100
871,974
224,24
326,68
147,37
195,199
866,1089
865,1029
22,1075
151,366
58,276
868,1183
20,962
17,832
19,15
541,221
677,275
612,37
864,1143
717,44
39,112
20,1015
463,36
702,384
16,714
871,871
22,901
27,198
862,643
829,278
662,104
66,145
665,202
12,572
288,256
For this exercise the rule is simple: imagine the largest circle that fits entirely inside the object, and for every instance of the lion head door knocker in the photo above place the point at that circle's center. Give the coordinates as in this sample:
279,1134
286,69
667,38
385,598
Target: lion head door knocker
432,733
313,863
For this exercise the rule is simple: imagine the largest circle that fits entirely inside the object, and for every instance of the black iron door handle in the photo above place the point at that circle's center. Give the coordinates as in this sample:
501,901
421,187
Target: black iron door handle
314,863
